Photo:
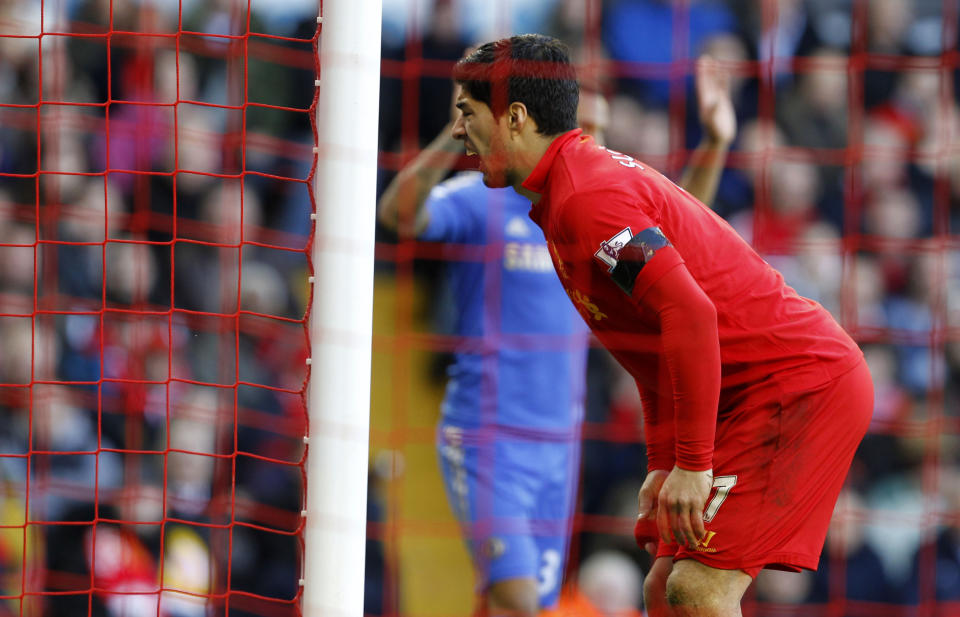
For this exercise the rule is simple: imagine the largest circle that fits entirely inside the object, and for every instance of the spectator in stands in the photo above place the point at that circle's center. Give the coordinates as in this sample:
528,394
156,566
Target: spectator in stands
940,583
888,138
779,31
815,267
863,577
887,26
639,130
786,205
912,313
894,215
648,59
777,589
884,454
893,402
869,292
18,267
813,114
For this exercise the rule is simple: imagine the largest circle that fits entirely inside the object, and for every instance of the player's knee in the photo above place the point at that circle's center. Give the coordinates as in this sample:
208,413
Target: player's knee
652,591
655,585
703,590
514,598
679,592
685,591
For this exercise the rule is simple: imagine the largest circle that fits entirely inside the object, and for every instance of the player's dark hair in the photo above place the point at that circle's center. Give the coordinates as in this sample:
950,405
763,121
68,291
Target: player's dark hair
532,69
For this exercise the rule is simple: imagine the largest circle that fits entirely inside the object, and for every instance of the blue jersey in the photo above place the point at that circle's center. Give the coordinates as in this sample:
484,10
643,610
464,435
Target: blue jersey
522,358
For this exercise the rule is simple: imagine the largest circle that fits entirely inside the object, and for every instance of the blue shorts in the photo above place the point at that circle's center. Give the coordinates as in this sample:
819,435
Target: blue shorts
514,497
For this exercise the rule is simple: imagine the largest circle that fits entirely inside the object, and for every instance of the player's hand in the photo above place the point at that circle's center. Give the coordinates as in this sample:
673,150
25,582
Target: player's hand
682,498
645,529
713,99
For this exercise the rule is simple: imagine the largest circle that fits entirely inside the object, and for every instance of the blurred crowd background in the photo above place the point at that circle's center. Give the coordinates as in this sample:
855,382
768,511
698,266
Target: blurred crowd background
152,316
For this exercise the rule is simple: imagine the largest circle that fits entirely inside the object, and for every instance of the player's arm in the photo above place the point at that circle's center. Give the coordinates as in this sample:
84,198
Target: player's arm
652,273
401,207
659,431
659,436
691,350
702,174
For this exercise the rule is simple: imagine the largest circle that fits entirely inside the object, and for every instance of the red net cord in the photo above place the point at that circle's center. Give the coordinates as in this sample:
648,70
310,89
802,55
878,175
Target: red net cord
155,199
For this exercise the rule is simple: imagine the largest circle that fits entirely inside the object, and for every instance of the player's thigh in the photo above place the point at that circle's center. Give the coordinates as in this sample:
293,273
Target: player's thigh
820,433
553,515
778,468
746,446
487,480
694,584
495,488
655,586
513,597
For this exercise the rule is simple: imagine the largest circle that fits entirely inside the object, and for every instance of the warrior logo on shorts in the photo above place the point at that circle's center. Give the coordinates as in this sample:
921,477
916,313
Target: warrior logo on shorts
703,544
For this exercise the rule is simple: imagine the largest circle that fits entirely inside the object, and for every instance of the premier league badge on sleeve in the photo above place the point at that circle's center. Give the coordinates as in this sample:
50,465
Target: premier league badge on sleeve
609,251
633,255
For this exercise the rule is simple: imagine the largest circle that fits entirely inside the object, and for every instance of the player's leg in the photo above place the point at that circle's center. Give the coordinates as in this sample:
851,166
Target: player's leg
554,470
688,588
697,590
515,597
492,486
779,466
539,554
655,588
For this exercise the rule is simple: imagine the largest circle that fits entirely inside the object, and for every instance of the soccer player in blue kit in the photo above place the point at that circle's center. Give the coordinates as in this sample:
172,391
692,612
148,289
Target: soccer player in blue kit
509,434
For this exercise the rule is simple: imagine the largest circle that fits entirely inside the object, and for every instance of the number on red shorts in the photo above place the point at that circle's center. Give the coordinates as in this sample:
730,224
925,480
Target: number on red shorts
723,484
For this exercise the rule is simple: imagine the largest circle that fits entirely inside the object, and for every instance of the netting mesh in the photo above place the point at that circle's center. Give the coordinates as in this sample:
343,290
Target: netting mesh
844,176
156,161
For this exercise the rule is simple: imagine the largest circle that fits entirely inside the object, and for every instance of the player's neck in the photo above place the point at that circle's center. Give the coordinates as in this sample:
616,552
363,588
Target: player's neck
526,160
533,197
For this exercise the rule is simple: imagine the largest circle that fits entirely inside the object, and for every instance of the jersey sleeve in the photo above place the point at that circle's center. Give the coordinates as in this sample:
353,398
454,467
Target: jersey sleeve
690,346
453,214
630,248
659,430
603,223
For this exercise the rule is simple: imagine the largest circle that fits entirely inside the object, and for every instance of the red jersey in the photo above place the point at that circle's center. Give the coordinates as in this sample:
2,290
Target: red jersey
698,318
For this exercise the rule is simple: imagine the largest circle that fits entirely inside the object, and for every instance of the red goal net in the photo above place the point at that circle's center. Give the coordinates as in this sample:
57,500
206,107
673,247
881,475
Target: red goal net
156,167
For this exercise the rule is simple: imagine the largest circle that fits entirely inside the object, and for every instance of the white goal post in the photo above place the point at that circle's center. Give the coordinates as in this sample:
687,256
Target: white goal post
341,319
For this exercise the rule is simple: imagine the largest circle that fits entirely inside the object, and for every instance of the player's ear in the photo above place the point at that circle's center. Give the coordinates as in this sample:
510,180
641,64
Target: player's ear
517,116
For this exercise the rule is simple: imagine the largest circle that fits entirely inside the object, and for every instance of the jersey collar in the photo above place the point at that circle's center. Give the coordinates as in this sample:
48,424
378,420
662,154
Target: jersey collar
537,179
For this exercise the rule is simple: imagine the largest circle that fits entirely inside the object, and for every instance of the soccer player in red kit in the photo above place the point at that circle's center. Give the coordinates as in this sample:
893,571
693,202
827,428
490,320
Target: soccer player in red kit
754,398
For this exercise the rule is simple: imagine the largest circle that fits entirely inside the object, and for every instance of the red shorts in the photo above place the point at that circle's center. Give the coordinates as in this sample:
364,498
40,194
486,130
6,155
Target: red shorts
778,469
